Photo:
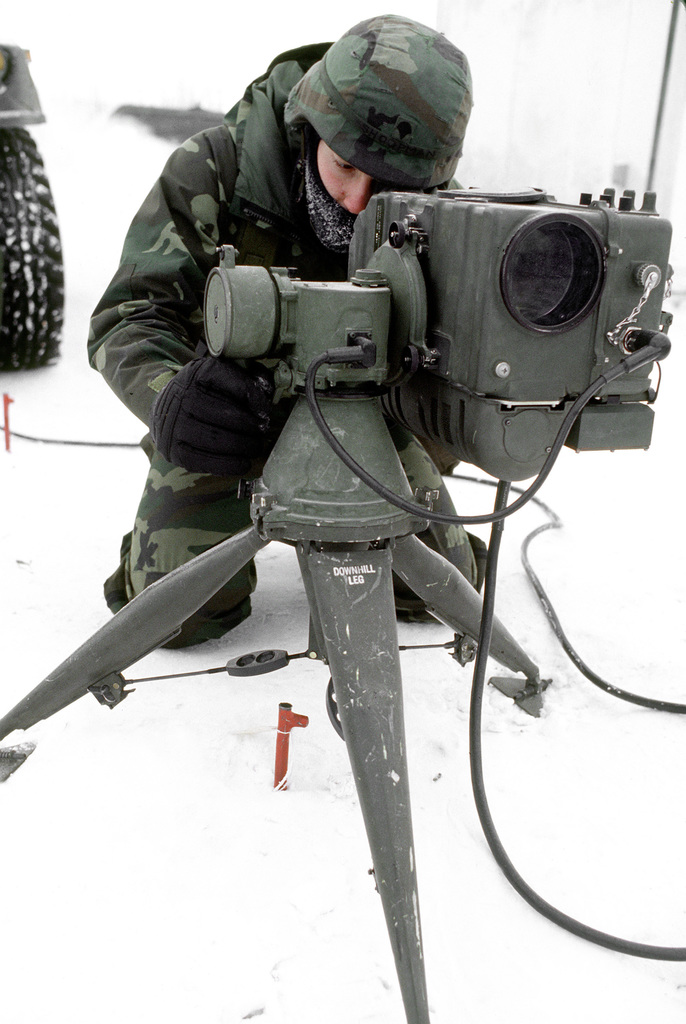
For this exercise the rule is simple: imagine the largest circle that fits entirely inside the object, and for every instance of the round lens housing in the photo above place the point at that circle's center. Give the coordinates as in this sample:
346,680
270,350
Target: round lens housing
552,273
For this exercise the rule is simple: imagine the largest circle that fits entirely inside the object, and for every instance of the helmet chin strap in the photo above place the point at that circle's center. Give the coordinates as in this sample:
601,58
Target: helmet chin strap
331,222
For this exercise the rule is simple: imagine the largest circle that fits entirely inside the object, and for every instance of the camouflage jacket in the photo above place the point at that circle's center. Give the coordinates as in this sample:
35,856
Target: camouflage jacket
239,183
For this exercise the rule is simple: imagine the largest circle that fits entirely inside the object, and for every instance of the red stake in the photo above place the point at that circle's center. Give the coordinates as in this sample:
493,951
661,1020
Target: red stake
287,720
6,402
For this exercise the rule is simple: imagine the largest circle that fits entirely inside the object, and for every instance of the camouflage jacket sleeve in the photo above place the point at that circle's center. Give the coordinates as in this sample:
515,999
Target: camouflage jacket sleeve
150,319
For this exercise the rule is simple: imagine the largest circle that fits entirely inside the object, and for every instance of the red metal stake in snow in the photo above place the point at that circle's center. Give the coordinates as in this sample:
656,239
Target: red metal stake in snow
287,720
6,402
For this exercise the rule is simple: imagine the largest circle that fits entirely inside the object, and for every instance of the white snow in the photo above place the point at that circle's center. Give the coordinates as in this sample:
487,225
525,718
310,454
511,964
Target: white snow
149,872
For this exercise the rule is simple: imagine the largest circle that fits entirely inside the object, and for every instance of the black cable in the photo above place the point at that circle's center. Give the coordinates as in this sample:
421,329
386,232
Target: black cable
83,444
570,924
551,615
657,348
555,523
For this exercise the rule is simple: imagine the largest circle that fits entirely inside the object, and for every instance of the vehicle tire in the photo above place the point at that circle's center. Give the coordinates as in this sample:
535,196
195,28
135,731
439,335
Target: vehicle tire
32,297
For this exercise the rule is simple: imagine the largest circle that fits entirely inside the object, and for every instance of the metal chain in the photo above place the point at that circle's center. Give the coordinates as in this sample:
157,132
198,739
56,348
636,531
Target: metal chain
652,281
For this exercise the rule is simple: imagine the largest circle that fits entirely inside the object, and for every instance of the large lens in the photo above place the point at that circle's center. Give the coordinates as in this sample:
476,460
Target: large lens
552,273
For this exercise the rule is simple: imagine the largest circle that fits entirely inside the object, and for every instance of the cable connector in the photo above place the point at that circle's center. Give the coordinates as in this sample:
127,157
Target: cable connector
362,353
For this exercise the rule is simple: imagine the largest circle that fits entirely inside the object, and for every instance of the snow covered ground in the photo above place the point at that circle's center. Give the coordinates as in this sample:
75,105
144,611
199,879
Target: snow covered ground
148,870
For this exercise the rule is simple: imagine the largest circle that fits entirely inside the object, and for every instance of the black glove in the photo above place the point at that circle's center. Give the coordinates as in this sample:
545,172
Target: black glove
212,417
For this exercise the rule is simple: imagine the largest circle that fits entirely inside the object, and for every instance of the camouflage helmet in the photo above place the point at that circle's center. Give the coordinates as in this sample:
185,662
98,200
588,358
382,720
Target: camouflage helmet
391,97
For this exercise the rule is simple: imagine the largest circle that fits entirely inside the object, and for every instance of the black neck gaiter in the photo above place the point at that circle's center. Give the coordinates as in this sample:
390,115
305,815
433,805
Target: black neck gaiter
331,222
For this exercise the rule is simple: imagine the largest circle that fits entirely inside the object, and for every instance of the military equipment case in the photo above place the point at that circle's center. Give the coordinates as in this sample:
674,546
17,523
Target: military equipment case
521,292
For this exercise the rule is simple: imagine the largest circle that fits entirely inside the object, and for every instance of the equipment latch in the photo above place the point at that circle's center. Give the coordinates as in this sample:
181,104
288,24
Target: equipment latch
110,691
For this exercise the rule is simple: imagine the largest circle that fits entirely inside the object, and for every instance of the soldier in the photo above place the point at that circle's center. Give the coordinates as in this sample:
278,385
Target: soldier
282,180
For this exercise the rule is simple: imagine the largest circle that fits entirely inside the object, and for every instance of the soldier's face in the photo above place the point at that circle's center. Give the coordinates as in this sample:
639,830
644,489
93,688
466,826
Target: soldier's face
351,188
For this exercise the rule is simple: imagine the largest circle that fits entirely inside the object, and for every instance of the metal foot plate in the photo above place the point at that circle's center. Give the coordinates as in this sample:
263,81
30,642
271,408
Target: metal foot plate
12,758
526,693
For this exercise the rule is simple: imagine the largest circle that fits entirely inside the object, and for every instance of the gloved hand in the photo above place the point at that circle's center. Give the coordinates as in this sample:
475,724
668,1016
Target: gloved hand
212,417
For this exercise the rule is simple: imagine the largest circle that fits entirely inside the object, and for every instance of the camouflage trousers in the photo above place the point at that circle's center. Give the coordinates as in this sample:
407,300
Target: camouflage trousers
182,514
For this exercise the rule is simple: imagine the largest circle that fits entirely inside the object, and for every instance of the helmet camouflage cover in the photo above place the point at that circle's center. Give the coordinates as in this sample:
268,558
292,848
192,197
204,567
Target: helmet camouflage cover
392,98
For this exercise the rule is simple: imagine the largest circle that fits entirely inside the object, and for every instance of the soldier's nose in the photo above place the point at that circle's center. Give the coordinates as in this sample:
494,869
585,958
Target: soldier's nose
358,193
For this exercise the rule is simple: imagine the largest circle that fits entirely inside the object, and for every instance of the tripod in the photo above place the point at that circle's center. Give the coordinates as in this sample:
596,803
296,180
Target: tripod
348,541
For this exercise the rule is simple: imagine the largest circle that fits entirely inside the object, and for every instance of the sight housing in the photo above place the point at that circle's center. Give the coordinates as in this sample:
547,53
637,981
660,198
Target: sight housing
490,314
524,296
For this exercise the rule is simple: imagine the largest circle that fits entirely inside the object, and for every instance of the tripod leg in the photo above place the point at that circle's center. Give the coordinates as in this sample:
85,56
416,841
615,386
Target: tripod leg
139,628
454,601
353,592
